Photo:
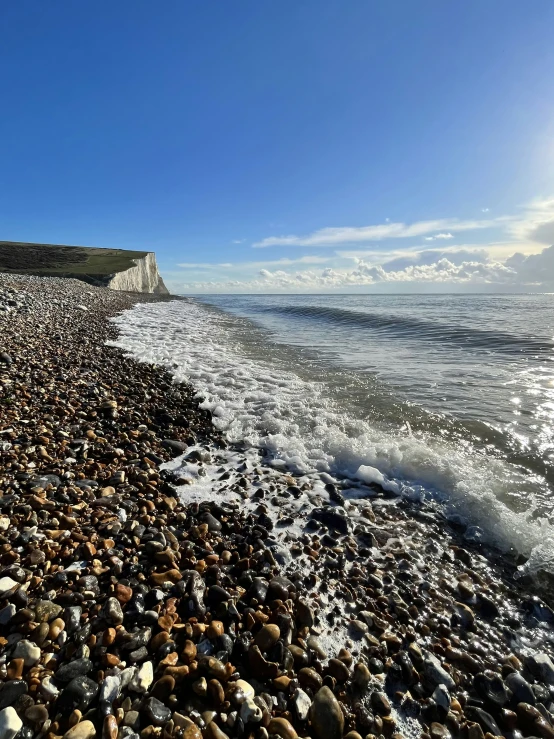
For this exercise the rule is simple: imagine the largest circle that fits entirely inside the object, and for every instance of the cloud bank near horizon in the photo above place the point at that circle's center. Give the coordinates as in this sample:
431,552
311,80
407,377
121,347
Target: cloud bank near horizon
518,261
457,268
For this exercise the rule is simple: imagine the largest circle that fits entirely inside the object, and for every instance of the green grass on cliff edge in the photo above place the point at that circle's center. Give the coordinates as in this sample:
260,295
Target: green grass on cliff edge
52,259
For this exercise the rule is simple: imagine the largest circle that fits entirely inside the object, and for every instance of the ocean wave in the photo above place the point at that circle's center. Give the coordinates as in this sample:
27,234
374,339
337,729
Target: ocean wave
269,406
421,329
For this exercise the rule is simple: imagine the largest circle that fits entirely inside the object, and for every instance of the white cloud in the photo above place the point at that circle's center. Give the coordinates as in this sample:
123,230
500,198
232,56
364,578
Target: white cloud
237,241
204,265
285,262
459,269
537,222
485,210
439,236
349,234
511,261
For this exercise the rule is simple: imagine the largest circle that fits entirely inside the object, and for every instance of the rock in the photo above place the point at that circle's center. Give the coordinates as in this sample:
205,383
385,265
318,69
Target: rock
326,716
173,446
72,618
27,651
332,518
143,679
110,728
520,688
212,731
78,694
250,712
465,614
484,719
305,614
45,610
282,728
82,730
261,668
442,697
37,716
247,690
280,588
301,702
113,612
309,678
48,689
338,669
542,666
8,587
439,731
316,647
11,691
376,667
156,712
132,719
163,688
215,630
110,688
362,676
359,627
7,613
267,636
380,703
10,723
71,670
491,689
436,674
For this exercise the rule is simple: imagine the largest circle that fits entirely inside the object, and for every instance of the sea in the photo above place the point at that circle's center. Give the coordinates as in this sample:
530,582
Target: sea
442,398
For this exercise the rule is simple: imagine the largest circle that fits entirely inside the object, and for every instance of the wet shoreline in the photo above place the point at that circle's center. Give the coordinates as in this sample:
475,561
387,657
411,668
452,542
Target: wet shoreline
155,581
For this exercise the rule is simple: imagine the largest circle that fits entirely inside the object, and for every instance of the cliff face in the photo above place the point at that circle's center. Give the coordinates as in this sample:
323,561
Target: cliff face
118,269
142,278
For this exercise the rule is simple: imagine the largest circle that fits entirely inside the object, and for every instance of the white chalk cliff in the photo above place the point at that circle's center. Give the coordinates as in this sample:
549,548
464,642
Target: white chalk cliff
142,278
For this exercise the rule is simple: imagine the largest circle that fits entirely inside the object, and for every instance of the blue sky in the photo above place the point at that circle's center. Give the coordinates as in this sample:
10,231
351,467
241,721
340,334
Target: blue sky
266,146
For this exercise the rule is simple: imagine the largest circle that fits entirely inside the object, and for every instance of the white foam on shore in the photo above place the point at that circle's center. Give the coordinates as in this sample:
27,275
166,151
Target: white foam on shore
270,407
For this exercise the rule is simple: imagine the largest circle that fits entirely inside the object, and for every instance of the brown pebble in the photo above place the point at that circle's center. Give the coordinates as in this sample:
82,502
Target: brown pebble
309,678
56,627
177,672
338,670
109,728
212,731
216,692
189,651
108,637
474,731
74,717
159,578
40,634
166,622
190,729
282,728
36,715
345,656
110,660
123,593
159,639
15,669
267,636
163,688
439,731
282,682
215,629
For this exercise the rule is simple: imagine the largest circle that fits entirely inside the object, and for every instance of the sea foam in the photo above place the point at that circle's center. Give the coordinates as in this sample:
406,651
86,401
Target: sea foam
263,404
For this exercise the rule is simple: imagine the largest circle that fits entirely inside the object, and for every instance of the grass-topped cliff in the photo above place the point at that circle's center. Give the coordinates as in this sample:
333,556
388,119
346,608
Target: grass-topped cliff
91,264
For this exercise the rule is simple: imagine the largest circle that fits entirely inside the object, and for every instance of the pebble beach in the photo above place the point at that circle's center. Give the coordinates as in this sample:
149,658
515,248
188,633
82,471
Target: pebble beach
157,581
